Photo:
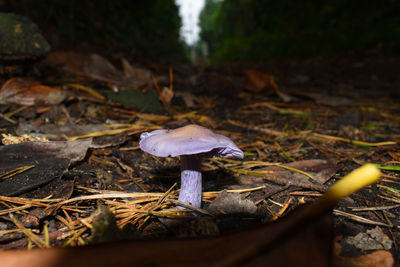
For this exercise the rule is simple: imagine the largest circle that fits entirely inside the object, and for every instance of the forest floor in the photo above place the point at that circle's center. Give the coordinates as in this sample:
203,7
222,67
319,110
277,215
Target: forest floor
71,163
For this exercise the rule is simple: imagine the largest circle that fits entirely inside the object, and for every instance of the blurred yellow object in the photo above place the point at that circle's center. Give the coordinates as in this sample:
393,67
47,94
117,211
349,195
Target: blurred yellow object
354,181
357,179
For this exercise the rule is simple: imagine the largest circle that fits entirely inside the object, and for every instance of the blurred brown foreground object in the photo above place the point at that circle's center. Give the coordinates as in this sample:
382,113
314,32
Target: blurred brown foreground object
292,241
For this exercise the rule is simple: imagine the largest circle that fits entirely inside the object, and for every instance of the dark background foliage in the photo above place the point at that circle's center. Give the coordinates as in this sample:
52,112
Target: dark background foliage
259,29
137,28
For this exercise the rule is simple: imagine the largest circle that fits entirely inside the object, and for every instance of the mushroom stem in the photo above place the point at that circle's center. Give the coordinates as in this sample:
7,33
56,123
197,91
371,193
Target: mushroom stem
191,190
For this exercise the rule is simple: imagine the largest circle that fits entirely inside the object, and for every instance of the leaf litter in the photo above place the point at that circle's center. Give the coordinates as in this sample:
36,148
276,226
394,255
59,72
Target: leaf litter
294,152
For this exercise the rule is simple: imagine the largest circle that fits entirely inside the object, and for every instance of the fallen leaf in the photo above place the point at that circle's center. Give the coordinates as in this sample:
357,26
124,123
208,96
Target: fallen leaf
67,61
188,98
49,161
135,72
98,67
379,258
231,203
166,96
320,169
258,81
28,92
372,239
394,155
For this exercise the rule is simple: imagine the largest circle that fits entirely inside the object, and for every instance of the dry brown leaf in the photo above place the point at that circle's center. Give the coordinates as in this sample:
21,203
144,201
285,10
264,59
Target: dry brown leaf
371,240
135,72
166,95
188,98
258,81
67,61
98,67
378,258
28,92
50,160
394,155
231,203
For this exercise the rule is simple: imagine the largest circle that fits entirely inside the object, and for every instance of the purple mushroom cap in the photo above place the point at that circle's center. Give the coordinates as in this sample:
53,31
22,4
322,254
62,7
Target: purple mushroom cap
188,140
191,143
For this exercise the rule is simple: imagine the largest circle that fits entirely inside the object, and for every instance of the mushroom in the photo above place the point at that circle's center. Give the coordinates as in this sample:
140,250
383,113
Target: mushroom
191,143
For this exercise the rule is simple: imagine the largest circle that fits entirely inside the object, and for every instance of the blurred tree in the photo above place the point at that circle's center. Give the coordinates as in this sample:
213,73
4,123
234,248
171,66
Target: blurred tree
257,29
210,31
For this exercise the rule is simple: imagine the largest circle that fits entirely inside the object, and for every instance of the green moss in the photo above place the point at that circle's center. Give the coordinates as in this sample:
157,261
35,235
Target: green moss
142,101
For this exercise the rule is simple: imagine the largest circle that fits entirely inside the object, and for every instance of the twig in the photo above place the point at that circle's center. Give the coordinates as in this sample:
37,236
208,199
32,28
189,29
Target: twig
31,236
358,218
188,206
16,171
374,208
